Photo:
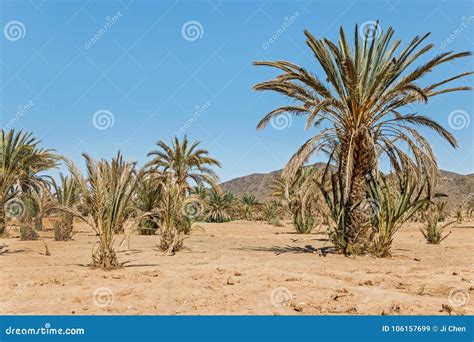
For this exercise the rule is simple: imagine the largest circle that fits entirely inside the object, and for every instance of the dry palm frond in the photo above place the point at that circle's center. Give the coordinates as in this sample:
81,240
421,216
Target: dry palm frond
301,194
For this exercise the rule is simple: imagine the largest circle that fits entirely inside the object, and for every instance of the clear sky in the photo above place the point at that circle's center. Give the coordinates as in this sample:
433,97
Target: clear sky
153,69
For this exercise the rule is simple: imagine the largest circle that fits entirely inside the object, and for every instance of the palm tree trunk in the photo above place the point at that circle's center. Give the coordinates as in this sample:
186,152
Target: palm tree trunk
2,219
359,223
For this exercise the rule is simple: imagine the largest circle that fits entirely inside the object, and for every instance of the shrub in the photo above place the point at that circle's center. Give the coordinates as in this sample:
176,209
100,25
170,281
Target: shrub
271,213
219,206
432,230
106,191
392,204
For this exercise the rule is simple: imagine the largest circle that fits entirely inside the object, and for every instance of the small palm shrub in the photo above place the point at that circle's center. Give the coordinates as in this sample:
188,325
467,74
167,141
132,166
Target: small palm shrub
335,199
459,213
107,192
391,204
146,199
301,194
37,202
249,204
219,205
433,230
304,224
442,209
197,209
27,232
175,216
66,194
30,220
272,213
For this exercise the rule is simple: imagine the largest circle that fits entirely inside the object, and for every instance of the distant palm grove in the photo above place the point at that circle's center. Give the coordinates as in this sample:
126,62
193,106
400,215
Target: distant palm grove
359,112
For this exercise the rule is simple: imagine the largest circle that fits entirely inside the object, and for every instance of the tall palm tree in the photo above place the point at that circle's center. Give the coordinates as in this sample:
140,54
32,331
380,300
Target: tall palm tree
359,109
21,160
185,161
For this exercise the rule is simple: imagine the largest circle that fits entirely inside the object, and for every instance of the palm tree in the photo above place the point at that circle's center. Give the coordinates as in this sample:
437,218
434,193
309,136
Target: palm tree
185,161
147,199
249,203
301,195
219,205
106,192
21,160
359,112
66,194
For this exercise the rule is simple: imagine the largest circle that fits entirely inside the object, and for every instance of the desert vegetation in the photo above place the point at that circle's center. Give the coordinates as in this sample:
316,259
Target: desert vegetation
360,115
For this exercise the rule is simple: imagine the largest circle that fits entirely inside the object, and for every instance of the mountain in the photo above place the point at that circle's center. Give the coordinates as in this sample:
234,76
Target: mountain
458,187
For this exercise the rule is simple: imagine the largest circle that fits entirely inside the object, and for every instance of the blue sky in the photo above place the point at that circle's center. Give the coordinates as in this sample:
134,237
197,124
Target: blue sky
155,79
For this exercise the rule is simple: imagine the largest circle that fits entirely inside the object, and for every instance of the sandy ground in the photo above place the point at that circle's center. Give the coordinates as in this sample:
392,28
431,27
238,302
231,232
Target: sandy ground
240,268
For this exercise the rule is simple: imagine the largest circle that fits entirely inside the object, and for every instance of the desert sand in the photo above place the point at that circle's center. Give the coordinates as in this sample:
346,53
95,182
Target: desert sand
245,268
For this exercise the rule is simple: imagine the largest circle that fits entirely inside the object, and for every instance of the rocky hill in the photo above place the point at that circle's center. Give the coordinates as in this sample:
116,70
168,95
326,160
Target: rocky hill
458,187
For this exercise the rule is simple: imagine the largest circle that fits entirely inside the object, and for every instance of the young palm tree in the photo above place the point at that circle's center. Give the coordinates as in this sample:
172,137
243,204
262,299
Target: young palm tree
219,205
185,161
66,194
174,219
359,111
107,194
301,194
147,199
249,203
20,162
394,200
272,213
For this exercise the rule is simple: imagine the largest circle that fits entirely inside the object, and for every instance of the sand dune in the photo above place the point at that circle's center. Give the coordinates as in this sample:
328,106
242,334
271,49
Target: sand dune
240,268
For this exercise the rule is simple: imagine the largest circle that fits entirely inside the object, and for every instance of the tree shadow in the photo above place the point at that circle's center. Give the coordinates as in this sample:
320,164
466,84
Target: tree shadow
139,265
322,251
